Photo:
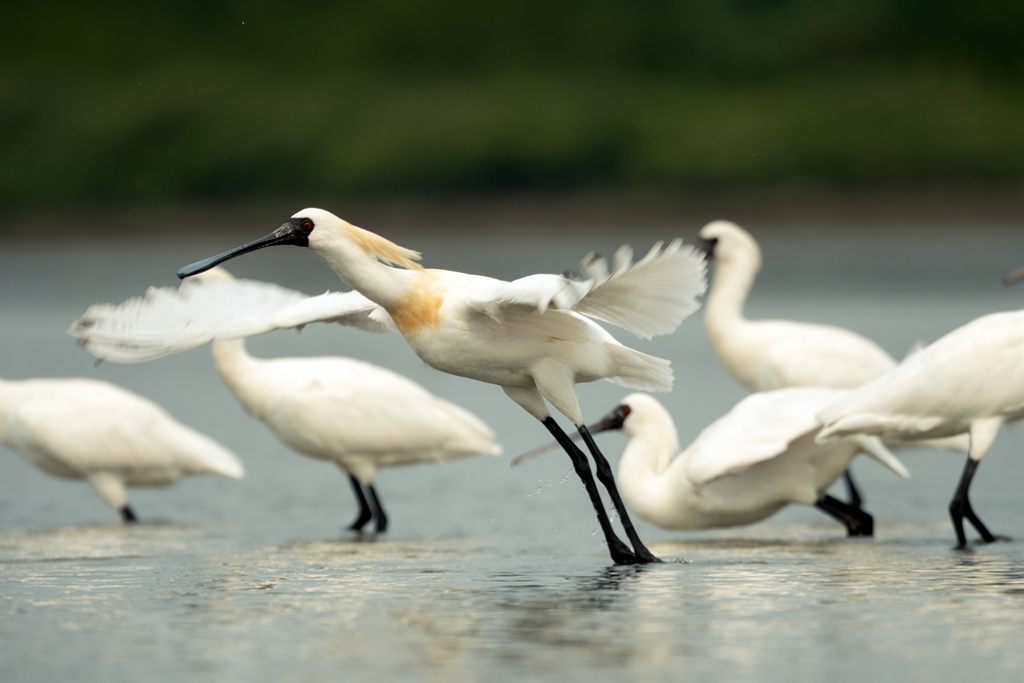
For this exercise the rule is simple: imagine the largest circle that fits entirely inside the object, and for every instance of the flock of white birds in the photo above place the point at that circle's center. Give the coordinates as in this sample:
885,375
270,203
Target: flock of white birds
822,394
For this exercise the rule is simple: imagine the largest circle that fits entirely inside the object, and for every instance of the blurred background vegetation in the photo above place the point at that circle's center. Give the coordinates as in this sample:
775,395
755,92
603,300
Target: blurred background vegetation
107,103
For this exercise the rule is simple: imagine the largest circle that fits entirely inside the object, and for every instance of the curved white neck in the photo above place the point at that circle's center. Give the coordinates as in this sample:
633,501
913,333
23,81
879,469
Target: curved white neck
236,368
645,476
378,282
723,308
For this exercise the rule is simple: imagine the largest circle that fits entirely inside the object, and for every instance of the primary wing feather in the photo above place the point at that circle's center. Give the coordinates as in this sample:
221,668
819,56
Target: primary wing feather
648,298
168,320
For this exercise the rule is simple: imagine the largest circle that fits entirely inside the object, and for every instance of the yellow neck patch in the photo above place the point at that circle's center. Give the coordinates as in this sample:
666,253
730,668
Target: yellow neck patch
419,306
383,249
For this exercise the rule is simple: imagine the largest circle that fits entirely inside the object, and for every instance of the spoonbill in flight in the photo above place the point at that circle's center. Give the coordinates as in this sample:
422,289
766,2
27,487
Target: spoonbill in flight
758,458
774,354
360,416
970,381
108,436
532,336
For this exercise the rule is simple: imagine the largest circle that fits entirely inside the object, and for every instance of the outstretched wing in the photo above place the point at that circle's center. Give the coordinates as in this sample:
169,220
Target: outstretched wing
168,320
762,426
758,428
648,298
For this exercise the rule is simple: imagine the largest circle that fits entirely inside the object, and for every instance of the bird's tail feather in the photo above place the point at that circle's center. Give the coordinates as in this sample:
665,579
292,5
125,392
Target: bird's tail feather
877,450
635,370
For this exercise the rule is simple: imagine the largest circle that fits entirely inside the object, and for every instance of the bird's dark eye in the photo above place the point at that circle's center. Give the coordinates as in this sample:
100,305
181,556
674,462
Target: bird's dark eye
306,225
624,411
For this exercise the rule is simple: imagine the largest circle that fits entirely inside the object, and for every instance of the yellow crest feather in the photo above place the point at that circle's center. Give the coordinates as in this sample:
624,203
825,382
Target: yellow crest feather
384,249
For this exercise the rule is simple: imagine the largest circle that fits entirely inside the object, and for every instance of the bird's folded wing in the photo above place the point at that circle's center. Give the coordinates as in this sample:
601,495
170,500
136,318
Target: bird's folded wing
532,293
168,320
648,298
758,428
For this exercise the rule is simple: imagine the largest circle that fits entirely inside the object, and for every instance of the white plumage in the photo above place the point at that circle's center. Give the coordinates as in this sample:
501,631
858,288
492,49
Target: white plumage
756,459
969,381
773,354
533,336
100,433
360,416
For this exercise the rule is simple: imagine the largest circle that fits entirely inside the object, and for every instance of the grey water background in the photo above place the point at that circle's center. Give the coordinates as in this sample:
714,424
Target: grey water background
491,573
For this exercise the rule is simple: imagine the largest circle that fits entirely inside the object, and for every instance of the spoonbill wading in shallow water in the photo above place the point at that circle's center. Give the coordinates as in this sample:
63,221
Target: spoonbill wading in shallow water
355,414
969,381
774,354
106,435
530,336
758,458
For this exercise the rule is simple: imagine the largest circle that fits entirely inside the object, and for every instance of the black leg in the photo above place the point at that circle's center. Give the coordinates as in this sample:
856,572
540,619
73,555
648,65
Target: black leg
856,500
620,552
378,509
365,514
856,520
606,477
960,507
127,515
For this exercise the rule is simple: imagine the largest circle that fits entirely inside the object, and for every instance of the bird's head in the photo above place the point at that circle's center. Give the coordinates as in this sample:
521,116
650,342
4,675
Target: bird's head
725,242
631,414
318,230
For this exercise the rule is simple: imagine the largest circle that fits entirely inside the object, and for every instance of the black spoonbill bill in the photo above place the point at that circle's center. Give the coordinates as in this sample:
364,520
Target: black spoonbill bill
103,434
970,381
534,336
359,416
755,460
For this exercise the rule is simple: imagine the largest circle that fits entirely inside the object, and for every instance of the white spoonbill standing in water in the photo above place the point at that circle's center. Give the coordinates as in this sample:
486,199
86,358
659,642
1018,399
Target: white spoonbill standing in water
745,466
530,336
358,415
774,354
969,381
97,432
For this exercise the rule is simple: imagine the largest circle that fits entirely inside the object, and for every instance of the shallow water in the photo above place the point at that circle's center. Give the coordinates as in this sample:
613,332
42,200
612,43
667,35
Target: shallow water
490,573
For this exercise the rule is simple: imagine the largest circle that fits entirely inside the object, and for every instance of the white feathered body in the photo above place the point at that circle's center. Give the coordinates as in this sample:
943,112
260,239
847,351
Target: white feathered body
95,431
973,374
508,346
530,332
358,415
774,354
758,458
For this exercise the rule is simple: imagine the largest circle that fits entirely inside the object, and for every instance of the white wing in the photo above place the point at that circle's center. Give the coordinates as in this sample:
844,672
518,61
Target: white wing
648,298
758,428
973,372
167,320
90,426
532,293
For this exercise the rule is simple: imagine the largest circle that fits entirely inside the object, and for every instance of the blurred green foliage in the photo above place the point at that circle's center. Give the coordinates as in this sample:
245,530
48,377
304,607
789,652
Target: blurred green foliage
194,99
